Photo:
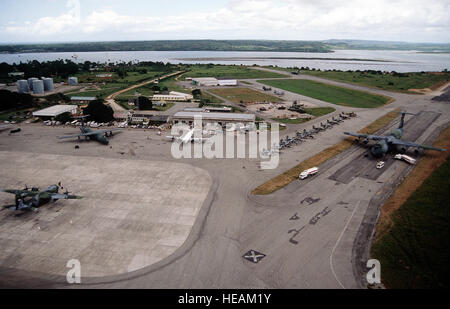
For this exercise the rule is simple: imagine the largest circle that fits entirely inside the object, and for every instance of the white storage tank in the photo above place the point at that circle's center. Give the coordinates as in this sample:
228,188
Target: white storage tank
38,86
22,86
48,84
30,82
73,81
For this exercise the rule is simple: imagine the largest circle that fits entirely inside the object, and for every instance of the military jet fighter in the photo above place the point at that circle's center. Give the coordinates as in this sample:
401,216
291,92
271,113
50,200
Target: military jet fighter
100,136
386,143
31,200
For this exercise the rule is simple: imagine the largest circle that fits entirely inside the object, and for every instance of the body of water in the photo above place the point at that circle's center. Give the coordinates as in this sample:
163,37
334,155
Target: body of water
386,60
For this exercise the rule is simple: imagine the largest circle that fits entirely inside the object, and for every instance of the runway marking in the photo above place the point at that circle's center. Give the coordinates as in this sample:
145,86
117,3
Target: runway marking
337,243
294,217
320,215
254,256
296,232
310,200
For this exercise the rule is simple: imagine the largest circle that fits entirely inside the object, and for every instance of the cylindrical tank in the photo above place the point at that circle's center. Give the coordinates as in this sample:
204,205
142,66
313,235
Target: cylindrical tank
22,86
30,82
38,86
48,84
73,81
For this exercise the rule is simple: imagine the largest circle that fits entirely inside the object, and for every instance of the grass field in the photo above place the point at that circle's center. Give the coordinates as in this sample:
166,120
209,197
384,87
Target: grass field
388,81
329,93
229,71
246,95
131,78
413,231
316,112
320,111
291,121
109,85
291,175
16,114
105,90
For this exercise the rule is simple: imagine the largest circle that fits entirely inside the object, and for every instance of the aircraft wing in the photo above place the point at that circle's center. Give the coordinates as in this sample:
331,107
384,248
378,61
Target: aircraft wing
70,136
57,196
102,131
187,137
99,132
19,192
368,136
411,144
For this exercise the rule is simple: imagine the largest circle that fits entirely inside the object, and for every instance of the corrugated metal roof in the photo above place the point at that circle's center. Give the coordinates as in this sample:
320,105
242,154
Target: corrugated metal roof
83,98
55,110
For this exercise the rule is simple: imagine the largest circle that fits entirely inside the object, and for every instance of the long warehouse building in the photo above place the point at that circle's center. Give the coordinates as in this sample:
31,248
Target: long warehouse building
208,117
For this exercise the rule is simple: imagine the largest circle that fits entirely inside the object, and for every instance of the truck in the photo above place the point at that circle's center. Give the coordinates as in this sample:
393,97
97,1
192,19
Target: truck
380,165
308,173
405,158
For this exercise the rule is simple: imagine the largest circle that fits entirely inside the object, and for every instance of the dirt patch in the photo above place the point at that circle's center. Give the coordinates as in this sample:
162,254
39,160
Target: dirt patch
422,91
421,172
244,95
436,87
289,176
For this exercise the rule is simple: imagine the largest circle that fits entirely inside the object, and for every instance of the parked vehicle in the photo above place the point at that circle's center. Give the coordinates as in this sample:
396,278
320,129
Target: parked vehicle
405,158
380,165
309,172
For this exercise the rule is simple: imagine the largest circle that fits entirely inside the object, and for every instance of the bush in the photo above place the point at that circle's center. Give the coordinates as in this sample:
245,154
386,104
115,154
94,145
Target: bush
99,112
63,118
14,100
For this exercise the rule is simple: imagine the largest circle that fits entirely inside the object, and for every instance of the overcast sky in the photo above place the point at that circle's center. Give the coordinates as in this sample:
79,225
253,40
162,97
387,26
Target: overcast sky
106,20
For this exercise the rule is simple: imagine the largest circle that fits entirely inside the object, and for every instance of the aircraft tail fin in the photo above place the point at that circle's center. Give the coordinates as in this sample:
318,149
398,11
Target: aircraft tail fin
402,120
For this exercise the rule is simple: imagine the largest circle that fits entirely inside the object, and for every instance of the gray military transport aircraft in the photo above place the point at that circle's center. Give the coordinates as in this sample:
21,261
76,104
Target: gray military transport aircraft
387,143
100,136
31,200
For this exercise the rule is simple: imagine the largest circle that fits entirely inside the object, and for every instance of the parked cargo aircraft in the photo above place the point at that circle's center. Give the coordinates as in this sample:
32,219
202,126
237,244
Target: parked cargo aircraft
386,143
100,136
31,200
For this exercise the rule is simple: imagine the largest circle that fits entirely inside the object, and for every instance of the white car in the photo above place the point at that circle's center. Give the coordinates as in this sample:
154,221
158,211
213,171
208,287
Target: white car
405,158
380,165
309,172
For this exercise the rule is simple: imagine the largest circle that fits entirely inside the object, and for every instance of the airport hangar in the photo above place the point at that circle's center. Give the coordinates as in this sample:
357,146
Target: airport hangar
211,81
56,110
209,117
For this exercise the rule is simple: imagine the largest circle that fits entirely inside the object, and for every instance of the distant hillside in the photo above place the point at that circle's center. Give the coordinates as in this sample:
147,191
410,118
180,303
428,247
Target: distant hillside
225,45
184,45
386,45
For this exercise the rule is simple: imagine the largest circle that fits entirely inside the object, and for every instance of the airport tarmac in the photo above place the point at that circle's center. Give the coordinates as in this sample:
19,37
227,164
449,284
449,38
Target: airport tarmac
302,236
132,215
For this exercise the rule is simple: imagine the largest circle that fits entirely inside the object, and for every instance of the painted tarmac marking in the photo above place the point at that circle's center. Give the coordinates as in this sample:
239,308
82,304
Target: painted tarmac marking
337,243
294,217
254,256
310,200
295,232
319,216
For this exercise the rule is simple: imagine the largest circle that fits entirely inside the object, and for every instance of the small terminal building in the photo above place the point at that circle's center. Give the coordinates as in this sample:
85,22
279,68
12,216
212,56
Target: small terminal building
173,96
212,117
138,117
54,111
82,100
